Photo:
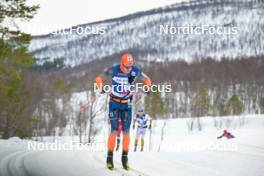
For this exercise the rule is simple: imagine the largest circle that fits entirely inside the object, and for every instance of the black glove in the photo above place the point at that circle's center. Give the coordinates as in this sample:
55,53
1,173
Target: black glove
102,92
131,79
149,127
146,90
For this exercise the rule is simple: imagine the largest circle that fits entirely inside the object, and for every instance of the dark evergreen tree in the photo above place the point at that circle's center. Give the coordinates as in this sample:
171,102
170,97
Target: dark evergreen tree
234,106
14,60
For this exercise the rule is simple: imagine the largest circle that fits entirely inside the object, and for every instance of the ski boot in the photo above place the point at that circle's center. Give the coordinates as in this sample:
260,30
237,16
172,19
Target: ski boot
125,160
135,149
141,149
109,160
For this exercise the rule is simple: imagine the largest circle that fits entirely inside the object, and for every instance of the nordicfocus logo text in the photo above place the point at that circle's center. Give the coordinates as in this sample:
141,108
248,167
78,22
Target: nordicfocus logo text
134,88
190,29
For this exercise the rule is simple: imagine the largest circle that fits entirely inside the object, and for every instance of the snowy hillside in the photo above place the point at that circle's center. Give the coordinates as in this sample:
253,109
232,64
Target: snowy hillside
143,33
191,153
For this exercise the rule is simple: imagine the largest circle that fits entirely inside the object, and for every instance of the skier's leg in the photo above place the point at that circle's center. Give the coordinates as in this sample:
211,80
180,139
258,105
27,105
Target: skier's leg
136,143
119,133
137,137
142,144
113,117
109,160
124,158
118,142
111,141
111,146
143,132
126,122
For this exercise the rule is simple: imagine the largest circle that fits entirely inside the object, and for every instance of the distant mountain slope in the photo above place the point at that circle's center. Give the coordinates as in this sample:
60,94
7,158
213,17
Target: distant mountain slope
144,33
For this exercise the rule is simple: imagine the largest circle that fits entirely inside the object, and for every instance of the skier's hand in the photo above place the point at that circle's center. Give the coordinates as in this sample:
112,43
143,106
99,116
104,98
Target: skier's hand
149,127
147,90
133,126
102,92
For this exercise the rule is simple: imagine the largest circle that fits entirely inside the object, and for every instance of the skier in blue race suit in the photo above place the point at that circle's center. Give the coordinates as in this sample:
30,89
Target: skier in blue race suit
123,76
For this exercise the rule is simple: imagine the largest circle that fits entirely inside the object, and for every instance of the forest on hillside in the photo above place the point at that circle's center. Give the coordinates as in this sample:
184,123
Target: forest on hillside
200,88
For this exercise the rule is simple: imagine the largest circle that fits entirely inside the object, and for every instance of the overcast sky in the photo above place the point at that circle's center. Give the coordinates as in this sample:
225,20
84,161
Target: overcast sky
57,14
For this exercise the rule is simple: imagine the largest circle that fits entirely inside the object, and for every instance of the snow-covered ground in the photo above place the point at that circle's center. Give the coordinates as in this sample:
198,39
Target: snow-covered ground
180,152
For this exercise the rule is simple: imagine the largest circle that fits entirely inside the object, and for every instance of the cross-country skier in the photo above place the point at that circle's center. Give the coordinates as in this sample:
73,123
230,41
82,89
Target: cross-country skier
122,76
142,124
118,138
226,134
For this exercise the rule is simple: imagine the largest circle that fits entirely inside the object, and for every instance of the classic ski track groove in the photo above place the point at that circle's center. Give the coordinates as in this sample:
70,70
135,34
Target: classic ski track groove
13,164
5,167
18,164
130,172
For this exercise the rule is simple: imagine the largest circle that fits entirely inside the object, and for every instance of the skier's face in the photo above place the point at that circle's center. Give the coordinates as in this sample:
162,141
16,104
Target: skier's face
141,112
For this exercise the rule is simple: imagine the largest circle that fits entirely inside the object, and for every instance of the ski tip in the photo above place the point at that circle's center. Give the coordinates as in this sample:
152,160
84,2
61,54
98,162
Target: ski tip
110,167
126,168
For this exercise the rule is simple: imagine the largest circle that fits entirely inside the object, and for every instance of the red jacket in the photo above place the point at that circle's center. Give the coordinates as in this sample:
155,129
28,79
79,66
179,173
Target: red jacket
227,135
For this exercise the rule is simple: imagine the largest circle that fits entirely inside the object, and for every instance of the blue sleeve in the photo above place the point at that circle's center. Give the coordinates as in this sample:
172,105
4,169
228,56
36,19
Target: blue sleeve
137,72
109,71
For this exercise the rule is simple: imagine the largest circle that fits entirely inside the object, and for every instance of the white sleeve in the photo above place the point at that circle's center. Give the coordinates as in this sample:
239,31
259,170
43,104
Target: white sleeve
147,117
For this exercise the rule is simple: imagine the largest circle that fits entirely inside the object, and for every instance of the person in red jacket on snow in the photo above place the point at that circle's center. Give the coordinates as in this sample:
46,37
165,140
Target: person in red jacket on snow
226,134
